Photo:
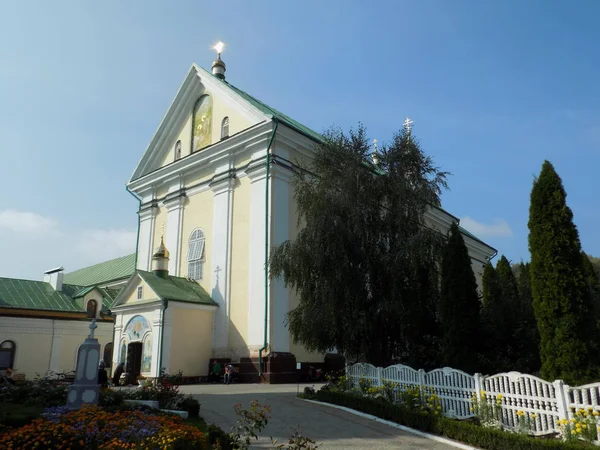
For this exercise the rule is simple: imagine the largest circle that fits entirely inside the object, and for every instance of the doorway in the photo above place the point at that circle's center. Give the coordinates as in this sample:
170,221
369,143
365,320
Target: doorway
134,359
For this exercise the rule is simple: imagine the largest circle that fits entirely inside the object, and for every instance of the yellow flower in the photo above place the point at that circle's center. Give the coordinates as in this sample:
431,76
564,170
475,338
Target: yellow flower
584,426
499,396
596,413
533,416
572,431
471,409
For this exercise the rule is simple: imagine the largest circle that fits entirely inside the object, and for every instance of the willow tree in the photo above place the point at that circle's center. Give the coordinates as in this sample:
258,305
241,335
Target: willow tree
561,296
363,263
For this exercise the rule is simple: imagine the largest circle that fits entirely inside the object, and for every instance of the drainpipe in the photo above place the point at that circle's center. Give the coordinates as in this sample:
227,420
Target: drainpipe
268,166
137,239
162,334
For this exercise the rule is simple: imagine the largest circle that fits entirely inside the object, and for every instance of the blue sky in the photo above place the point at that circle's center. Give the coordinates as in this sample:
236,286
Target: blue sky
494,88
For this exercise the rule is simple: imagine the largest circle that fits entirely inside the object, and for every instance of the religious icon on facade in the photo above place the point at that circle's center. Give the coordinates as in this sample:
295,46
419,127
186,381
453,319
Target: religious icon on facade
147,353
136,328
202,123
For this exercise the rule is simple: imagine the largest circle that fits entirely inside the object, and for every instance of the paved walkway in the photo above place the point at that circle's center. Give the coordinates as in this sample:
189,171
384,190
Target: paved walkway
332,428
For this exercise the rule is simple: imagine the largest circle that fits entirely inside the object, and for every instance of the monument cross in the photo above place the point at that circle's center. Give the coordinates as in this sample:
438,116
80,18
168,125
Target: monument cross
93,327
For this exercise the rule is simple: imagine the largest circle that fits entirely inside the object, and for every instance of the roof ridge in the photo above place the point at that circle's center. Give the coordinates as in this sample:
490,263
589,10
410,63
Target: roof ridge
103,262
24,279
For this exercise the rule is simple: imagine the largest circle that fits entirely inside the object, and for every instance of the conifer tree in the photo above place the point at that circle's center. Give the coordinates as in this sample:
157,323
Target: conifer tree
500,303
459,306
561,297
491,302
528,336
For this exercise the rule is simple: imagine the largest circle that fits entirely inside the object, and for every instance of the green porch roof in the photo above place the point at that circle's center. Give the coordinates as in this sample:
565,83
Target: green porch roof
37,295
177,289
107,271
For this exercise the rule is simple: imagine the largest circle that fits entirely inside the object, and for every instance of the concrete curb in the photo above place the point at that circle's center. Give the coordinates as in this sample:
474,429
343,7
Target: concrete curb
433,437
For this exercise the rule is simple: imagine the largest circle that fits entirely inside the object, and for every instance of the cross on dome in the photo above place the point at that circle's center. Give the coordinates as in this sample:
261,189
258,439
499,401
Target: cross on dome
408,124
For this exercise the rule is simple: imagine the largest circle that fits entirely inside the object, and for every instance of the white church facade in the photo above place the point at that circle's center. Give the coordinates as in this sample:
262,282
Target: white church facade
215,194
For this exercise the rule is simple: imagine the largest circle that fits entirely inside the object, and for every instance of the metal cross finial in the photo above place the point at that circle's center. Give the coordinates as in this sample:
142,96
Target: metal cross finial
375,144
217,270
93,326
162,228
408,124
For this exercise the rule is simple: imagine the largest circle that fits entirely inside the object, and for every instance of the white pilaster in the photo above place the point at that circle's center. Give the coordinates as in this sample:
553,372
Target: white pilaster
156,333
256,265
222,188
174,207
167,333
56,349
117,341
147,223
280,221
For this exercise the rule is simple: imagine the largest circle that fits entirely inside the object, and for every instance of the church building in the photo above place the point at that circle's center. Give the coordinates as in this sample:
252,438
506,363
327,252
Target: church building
214,187
215,194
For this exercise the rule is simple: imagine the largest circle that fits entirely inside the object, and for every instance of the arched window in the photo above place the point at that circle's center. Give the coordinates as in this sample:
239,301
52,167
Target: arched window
177,150
92,308
7,355
196,255
108,351
225,128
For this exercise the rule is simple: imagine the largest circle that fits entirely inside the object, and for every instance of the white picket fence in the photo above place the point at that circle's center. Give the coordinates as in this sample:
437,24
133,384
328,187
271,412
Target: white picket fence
550,402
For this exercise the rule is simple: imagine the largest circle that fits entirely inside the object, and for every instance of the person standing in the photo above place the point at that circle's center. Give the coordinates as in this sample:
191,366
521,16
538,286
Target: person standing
102,375
118,372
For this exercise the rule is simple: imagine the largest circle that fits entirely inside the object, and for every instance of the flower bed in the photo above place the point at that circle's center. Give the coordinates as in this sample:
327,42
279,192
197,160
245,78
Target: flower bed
94,428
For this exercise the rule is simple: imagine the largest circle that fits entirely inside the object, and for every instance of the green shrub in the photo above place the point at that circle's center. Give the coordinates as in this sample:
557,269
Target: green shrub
111,397
217,438
36,392
12,415
463,431
191,405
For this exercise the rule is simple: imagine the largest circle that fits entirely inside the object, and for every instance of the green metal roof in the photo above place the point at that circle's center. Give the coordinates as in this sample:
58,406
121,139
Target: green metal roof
38,295
115,269
268,110
177,289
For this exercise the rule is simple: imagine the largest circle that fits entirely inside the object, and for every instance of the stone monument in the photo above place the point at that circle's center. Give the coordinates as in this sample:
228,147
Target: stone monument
85,388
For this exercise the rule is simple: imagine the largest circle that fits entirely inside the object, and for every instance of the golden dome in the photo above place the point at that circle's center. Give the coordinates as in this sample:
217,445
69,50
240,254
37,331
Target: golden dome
161,251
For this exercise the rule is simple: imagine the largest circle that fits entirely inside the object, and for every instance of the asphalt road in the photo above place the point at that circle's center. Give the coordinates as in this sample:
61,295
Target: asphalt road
330,427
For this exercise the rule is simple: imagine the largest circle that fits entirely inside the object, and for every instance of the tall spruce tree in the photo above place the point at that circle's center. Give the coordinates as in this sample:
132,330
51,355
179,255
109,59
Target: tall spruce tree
459,306
528,337
363,262
492,300
509,320
561,296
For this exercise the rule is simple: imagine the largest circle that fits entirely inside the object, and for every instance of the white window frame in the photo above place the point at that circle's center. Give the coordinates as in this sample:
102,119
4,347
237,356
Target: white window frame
177,150
225,127
140,292
196,255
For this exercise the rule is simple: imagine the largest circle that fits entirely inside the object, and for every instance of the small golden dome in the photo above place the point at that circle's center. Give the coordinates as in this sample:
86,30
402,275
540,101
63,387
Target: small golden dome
161,251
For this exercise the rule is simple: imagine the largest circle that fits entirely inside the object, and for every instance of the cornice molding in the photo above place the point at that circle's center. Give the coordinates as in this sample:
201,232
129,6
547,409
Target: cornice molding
210,158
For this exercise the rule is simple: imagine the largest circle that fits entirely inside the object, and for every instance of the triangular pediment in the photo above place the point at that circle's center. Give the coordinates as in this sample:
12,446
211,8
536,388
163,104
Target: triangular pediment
185,120
131,295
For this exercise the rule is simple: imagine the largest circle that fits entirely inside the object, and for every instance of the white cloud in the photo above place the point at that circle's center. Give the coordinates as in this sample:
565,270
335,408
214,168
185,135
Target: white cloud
499,228
100,245
26,222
